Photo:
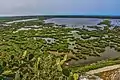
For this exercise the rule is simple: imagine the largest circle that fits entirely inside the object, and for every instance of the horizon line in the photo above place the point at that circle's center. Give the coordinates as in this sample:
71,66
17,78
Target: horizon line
68,16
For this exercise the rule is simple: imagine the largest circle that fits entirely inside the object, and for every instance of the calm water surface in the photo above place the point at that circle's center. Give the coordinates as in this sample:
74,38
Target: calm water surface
108,54
78,22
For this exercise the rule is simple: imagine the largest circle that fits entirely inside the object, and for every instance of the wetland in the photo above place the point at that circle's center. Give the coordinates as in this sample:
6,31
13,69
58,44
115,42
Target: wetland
57,49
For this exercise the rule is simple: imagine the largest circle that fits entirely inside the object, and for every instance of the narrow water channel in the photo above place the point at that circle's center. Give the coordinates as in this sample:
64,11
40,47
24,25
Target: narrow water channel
108,54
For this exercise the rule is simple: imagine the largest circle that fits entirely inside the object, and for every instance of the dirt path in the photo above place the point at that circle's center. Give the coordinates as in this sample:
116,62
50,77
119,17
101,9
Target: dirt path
108,68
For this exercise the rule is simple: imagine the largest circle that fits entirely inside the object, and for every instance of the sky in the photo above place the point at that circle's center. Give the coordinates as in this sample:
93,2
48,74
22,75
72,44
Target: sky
59,7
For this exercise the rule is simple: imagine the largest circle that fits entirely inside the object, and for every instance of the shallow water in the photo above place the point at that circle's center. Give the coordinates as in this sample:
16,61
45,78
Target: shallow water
25,20
79,22
74,21
108,54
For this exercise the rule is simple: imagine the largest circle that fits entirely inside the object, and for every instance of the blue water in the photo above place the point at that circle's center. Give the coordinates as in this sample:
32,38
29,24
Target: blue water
77,22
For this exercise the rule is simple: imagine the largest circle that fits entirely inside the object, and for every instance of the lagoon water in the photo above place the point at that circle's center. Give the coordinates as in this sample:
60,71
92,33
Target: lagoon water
79,22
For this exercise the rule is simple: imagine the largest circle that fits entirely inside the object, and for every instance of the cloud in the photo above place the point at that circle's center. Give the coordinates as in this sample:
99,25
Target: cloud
31,7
